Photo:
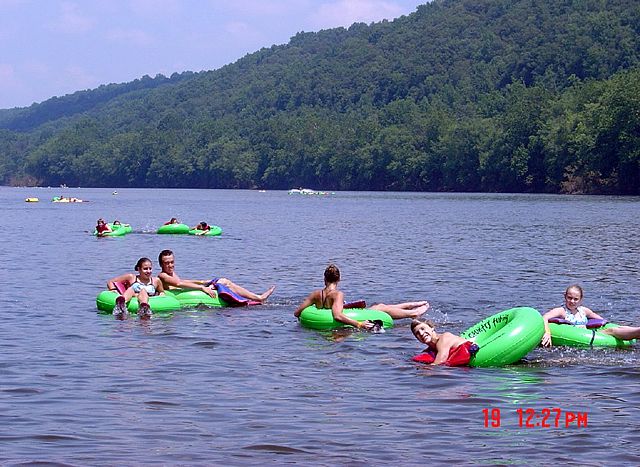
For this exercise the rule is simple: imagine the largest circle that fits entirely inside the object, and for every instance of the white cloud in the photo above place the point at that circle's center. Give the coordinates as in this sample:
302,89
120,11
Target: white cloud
155,8
130,36
347,12
71,21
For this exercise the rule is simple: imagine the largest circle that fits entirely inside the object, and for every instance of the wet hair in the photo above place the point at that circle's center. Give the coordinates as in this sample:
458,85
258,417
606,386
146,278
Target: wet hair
331,274
574,286
100,220
140,262
416,322
162,254
173,220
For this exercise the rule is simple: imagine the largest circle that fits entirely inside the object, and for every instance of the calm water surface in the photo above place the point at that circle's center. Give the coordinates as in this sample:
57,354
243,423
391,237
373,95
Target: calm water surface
250,386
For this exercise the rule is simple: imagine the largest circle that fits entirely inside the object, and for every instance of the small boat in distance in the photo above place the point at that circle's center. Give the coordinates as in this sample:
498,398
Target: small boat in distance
64,199
32,200
308,191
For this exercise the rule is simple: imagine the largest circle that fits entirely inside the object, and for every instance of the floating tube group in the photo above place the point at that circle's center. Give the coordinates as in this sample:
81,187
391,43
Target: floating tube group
322,318
505,337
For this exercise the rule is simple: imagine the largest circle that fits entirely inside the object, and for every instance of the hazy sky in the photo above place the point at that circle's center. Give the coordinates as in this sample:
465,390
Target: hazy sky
55,47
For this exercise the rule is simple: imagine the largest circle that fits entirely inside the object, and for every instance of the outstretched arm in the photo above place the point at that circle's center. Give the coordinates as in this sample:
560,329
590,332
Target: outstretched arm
186,284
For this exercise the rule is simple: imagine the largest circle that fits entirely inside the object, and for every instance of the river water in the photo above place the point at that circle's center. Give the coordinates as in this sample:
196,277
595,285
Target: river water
250,386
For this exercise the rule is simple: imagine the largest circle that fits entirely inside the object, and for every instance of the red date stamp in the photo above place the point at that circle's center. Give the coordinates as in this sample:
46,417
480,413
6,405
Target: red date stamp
538,418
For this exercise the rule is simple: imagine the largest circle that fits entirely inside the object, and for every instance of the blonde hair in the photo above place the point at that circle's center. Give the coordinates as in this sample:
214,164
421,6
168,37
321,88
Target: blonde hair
574,286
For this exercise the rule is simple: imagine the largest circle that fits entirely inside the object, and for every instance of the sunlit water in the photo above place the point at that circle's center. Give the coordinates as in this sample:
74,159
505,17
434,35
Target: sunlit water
250,386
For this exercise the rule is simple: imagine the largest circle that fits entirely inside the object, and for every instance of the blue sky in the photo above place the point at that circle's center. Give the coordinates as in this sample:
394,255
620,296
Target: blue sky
54,47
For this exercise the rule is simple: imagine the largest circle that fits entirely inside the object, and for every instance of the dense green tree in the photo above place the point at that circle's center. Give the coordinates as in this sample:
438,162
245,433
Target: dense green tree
498,95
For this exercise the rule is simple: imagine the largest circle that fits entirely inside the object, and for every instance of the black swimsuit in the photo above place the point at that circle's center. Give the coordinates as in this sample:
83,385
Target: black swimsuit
323,299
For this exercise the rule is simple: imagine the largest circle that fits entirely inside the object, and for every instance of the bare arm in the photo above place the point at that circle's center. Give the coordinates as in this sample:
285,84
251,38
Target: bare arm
338,315
310,300
447,342
553,313
130,278
158,285
175,281
591,314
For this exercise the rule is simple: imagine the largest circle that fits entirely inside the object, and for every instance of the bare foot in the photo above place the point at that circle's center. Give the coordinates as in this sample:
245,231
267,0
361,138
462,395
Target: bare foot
418,311
267,294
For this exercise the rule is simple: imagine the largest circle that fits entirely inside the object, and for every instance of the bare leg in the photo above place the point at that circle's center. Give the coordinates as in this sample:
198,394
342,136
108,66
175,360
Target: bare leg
623,332
401,311
247,293
410,305
128,294
143,297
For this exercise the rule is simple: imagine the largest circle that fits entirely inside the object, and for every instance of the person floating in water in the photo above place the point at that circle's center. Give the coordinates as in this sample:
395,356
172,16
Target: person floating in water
171,280
202,228
143,285
173,220
579,315
102,228
332,298
444,348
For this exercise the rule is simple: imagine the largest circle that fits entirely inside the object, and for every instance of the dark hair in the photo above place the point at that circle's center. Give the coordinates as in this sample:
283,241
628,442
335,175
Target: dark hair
331,274
162,254
575,286
416,322
140,261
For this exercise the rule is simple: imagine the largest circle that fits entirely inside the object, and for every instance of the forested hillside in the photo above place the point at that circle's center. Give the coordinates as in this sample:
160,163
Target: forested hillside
462,95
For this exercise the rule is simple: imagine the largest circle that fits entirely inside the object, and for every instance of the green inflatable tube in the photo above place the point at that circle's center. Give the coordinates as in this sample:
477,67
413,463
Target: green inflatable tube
212,232
580,336
322,319
106,300
194,298
505,337
173,229
116,230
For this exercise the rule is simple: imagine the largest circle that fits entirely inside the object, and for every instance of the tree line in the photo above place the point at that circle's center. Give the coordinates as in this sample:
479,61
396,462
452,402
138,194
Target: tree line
500,95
